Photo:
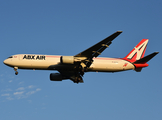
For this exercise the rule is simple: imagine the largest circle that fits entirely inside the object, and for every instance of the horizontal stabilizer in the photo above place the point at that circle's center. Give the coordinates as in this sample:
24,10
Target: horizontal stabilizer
146,59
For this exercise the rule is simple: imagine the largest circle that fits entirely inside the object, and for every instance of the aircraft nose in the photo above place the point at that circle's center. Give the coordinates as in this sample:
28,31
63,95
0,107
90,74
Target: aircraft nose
6,62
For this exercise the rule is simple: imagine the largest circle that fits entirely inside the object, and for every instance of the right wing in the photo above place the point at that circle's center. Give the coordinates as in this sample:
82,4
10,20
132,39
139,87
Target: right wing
98,48
85,59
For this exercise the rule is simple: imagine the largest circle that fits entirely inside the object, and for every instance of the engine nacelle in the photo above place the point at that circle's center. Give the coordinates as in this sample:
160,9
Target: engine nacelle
56,77
67,59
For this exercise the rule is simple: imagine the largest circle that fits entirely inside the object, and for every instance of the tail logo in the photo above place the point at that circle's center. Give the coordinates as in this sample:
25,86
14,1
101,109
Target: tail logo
125,64
138,51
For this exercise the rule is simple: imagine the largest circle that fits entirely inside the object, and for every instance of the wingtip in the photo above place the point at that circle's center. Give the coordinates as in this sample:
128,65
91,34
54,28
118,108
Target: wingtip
120,31
156,52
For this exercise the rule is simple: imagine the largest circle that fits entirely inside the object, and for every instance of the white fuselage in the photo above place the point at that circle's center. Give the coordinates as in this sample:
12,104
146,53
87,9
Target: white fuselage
52,62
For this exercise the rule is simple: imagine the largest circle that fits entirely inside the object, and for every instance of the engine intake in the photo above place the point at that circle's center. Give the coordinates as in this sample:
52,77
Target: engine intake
67,59
56,77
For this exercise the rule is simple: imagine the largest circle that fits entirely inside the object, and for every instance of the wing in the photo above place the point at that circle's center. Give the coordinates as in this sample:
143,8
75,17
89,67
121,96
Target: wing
98,48
84,60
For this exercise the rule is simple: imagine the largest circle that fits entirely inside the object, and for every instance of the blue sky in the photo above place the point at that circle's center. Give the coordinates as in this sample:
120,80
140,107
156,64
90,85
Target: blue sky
67,28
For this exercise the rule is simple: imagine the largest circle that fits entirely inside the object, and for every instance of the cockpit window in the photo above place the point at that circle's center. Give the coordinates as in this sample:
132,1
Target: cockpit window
10,57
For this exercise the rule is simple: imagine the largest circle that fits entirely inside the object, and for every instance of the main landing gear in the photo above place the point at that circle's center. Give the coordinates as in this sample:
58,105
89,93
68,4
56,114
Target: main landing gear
78,79
15,69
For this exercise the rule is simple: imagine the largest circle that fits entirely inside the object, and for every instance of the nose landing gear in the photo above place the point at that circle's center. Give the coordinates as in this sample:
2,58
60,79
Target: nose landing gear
15,69
16,73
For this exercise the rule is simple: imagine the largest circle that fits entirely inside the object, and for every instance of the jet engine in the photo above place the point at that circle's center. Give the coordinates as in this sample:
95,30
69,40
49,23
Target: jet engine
56,77
67,59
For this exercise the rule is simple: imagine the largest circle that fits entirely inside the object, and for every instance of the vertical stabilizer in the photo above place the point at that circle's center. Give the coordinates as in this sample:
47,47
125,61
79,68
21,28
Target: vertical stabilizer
138,51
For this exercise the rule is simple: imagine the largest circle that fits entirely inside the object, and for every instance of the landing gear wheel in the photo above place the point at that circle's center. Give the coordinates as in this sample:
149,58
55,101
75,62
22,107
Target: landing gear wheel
16,73
76,80
15,69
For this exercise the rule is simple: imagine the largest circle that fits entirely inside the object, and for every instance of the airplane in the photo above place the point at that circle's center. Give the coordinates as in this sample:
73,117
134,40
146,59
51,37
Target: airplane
74,67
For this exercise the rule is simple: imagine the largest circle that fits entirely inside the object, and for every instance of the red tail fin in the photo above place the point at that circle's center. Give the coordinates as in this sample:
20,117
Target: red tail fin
137,52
